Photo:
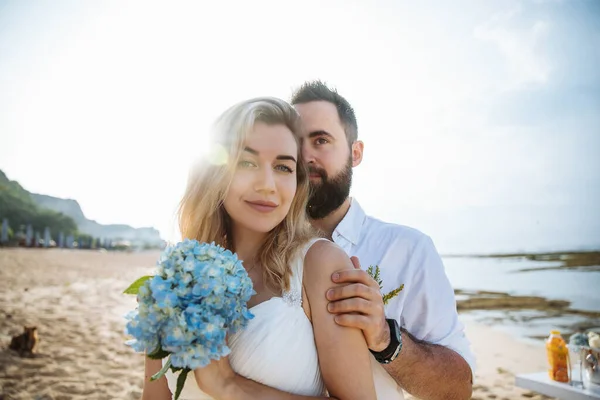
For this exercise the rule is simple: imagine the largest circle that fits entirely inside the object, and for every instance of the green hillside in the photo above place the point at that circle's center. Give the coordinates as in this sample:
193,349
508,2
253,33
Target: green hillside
17,205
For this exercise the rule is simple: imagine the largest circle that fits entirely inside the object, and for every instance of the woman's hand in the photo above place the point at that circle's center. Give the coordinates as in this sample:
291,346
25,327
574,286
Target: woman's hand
216,379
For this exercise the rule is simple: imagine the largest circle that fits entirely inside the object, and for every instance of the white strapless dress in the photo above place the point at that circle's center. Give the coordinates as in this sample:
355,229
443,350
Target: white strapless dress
277,348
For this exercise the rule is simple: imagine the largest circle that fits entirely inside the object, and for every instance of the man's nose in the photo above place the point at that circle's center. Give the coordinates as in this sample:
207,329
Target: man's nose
308,153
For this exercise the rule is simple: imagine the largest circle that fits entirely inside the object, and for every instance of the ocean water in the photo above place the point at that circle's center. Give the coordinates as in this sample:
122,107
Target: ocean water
580,287
484,230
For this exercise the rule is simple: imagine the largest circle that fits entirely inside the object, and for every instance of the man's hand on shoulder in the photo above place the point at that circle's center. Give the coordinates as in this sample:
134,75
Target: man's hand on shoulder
359,304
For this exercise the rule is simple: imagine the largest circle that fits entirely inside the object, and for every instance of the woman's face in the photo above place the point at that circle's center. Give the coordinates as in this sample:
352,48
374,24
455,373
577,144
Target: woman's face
264,182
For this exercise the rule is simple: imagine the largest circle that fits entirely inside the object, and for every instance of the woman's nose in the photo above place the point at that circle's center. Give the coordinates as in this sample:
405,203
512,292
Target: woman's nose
265,181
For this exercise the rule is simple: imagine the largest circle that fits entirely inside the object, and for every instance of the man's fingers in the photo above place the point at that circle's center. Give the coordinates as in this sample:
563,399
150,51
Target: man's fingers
353,290
353,321
355,262
353,276
353,305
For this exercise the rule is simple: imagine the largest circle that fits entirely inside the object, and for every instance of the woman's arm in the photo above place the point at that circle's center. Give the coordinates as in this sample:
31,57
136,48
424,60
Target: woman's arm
247,389
219,381
344,357
158,389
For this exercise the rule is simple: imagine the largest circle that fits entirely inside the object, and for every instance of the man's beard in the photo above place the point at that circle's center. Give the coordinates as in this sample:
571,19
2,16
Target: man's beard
328,195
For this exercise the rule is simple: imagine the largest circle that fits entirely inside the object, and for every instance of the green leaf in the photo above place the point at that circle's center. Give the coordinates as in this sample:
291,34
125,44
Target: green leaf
134,288
392,294
181,382
370,271
163,371
158,354
374,273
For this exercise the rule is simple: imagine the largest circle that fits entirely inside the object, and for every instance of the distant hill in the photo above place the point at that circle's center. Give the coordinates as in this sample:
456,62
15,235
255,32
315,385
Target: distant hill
17,205
14,199
73,209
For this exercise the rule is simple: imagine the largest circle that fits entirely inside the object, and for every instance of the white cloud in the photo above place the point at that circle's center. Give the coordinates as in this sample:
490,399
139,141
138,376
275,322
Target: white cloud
521,47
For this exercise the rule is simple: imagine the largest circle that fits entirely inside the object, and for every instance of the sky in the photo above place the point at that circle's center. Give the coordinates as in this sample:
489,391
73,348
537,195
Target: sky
477,117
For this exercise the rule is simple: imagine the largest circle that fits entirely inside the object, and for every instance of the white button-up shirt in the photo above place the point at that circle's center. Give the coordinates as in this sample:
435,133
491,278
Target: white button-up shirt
426,307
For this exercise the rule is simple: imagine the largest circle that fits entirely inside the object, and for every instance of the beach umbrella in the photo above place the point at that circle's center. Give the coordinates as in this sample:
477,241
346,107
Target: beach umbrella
28,235
47,237
70,241
4,235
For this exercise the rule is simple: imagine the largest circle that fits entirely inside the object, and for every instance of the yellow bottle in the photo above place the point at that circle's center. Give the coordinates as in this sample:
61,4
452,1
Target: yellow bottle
558,357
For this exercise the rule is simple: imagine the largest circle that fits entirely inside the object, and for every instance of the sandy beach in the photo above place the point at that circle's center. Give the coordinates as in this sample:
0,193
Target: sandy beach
75,300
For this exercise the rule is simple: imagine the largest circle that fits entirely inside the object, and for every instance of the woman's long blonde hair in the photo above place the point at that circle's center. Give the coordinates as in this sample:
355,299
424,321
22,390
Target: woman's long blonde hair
201,213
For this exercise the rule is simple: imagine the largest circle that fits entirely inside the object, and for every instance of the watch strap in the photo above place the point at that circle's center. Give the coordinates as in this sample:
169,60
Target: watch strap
388,354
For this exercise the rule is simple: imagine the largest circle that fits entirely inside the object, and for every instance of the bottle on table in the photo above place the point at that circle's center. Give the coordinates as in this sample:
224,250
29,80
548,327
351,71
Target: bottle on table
558,357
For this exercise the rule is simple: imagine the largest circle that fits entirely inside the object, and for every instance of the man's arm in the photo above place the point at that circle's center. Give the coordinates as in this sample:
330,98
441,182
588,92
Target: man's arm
429,371
425,370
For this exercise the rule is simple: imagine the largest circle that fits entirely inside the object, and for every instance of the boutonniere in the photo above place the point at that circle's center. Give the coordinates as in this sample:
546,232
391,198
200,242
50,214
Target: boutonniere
374,273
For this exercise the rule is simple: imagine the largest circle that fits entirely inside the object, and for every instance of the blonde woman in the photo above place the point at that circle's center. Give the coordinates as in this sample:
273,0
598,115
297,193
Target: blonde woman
250,196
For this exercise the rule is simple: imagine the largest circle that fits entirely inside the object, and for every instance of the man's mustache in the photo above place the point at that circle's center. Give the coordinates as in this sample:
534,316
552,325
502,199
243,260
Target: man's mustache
317,171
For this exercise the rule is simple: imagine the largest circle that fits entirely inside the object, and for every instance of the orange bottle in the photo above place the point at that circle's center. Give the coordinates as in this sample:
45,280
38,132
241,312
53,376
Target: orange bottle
558,357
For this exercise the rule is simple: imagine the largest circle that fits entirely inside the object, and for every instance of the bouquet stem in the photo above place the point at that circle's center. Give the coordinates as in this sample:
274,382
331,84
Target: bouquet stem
163,371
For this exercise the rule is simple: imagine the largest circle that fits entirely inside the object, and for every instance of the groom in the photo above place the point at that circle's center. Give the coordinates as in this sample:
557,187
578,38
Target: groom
421,344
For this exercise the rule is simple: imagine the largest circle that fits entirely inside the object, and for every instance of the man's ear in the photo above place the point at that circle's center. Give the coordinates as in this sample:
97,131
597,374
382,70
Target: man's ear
357,153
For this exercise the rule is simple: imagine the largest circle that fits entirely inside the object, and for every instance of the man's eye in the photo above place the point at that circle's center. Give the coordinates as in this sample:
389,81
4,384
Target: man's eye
321,141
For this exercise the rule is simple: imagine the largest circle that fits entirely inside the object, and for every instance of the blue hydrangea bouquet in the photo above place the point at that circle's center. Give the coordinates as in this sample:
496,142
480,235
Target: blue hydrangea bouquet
198,296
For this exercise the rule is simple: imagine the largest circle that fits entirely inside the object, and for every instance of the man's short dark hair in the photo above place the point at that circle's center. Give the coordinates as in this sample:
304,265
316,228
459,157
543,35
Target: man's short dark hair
319,91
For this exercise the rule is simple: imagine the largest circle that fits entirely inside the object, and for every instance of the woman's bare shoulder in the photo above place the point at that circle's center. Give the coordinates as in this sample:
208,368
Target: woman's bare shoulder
323,258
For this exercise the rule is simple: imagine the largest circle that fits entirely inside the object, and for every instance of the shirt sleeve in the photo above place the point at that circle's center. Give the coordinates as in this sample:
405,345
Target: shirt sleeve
429,312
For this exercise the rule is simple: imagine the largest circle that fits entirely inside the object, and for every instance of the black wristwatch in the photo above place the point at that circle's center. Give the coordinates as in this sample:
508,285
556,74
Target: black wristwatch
390,353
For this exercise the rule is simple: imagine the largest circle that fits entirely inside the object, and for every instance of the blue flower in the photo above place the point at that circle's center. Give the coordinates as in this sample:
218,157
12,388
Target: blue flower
198,296
160,284
166,299
204,288
233,284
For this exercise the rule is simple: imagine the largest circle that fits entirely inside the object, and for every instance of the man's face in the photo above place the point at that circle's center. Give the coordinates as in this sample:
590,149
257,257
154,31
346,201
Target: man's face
325,149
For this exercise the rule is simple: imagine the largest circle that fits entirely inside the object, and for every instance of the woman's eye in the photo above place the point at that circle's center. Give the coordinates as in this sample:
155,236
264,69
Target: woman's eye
284,168
245,164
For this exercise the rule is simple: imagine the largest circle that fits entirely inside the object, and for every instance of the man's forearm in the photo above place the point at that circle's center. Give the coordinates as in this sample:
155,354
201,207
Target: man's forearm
431,372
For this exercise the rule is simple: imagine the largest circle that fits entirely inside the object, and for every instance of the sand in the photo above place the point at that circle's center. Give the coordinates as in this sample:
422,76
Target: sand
499,358
74,298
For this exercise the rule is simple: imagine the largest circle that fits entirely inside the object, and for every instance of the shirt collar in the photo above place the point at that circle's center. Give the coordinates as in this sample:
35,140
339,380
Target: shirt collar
350,226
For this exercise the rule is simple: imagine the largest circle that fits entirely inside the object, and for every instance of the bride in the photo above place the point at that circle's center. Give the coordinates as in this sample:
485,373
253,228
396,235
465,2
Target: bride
249,195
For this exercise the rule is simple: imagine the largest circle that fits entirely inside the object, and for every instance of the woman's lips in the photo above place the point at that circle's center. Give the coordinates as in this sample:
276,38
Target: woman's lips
262,206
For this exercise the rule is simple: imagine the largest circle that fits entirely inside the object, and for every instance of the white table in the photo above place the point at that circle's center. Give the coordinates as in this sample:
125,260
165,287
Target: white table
540,382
